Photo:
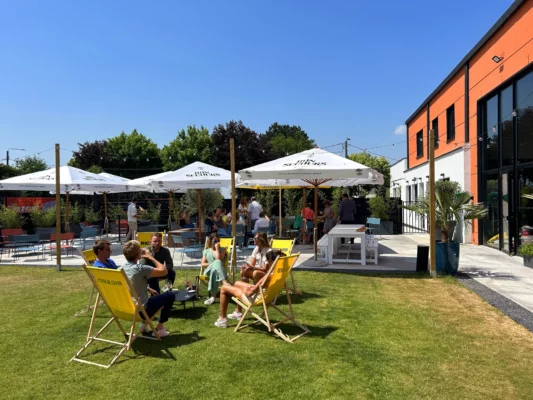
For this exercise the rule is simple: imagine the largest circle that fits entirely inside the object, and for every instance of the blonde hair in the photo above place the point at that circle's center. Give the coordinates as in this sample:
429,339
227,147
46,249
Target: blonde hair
131,250
262,240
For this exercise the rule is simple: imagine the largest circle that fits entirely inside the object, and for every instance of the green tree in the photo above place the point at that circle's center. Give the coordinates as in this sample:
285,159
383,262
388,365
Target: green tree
95,169
30,164
378,163
132,155
209,200
90,154
7,171
250,147
287,139
193,144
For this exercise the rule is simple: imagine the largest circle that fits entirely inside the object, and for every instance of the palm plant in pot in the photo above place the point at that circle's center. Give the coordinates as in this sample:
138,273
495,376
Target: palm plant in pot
451,206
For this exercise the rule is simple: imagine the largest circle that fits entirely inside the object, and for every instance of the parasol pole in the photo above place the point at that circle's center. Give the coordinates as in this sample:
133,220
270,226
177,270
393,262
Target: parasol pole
315,232
280,219
67,225
106,221
58,211
170,192
199,199
233,207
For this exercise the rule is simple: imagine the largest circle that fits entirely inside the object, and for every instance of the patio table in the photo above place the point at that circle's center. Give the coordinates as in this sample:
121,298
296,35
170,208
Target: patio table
345,231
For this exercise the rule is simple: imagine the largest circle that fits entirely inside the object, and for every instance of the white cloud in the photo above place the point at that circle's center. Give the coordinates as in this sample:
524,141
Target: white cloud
400,130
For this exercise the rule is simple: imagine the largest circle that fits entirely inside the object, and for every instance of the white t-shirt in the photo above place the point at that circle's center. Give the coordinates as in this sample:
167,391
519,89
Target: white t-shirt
132,212
260,256
254,209
261,223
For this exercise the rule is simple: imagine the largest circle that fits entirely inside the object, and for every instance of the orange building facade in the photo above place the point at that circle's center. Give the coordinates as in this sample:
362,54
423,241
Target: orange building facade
484,107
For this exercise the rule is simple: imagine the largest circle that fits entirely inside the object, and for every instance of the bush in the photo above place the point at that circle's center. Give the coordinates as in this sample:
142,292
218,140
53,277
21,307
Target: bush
379,208
526,249
91,215
10,217
43,218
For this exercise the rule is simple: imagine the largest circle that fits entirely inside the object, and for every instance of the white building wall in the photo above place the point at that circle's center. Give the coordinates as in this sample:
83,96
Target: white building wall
454,166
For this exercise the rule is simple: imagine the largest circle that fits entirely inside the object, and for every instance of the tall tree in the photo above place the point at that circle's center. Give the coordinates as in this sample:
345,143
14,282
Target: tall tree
7,171
378,163
251,148
193,144
288,139
90,154
132,156
30,164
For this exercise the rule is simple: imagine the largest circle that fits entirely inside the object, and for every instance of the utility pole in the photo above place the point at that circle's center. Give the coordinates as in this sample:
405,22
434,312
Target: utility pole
432,242
7,154
346,147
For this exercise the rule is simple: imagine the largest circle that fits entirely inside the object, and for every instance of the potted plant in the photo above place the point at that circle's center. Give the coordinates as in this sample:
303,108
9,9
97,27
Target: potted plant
92,216
75,214
380,208
10,217
451,205
44,221
526,251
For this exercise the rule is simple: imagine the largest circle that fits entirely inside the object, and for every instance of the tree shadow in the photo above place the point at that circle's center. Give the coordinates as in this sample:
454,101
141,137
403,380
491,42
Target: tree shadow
291,330
297,298
190,312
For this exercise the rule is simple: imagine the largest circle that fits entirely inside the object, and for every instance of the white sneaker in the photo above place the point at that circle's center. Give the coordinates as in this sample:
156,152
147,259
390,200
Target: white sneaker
209,301
162,333
235,315
221,323
146,328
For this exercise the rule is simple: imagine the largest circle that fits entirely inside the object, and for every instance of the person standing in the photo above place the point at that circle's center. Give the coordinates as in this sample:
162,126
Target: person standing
162,255
346,212
254,209
308,215
133,216
243,209
329,217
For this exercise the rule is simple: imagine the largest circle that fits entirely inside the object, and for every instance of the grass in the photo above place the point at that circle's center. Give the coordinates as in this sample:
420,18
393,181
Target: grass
372,337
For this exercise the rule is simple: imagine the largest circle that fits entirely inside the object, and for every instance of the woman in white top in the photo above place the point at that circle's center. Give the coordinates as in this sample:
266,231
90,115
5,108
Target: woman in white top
243,209
258,266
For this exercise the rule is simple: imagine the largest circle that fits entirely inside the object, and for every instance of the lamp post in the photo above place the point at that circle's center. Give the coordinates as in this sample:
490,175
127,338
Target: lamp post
346,147
7,154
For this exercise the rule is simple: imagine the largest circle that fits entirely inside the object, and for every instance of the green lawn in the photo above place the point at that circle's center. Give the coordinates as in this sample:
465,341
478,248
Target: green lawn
372,337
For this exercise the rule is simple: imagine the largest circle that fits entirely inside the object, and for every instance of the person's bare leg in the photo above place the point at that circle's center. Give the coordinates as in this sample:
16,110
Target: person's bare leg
258,275
226,292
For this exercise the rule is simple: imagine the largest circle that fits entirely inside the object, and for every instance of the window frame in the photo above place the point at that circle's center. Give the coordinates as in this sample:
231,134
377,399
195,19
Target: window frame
450,123
435,127
420,144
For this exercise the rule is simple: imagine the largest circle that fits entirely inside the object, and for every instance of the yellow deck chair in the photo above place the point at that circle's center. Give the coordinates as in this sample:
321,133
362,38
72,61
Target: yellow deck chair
89,257
278,272
227,243
286,246
144,238
116,290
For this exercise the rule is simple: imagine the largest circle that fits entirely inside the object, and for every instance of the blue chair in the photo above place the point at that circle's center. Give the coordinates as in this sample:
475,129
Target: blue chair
28,244
86,234
187,240
373,224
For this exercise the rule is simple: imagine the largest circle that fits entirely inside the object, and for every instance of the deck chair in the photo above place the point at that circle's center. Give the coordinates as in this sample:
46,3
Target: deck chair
88,258
144,238
66,241
227,243
286,246
266,299
116,290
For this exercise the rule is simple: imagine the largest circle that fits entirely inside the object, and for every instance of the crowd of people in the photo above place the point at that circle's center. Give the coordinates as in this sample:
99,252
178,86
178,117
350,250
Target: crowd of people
145,267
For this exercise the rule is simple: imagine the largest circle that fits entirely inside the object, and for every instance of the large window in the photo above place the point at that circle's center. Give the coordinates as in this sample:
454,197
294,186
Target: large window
524,105
525,205
450,123
490,134
506,117
419,144
435,127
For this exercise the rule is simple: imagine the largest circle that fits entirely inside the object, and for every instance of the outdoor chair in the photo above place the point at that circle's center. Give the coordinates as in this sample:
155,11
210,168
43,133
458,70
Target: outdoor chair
27,244
116,290
286,246
373,225
145,238
88,258
88,234
187,241
7,234
266,300
288,229
66,241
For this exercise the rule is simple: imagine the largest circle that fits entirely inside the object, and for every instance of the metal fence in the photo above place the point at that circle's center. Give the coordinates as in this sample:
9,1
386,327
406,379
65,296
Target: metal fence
413,222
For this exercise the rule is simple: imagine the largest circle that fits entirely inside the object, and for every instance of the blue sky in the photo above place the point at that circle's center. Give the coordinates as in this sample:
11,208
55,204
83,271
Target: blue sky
80,71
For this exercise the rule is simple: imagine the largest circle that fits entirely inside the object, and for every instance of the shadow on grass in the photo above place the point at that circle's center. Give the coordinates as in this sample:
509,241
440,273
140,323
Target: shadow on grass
297,298
378,274
189,312
290,330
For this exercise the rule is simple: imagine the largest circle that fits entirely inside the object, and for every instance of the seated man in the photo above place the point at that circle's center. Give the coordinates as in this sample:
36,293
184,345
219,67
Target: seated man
138,274
102,250
262,222
161,254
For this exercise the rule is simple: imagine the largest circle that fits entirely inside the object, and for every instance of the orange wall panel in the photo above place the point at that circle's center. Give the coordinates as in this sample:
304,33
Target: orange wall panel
415,126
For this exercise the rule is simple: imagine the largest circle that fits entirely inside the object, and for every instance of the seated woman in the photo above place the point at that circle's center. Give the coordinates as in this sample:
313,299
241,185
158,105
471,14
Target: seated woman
244,291
213,262
209,223
258,265
185,220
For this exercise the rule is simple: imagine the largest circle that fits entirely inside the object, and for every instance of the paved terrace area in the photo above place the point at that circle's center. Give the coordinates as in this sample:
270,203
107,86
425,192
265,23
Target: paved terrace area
397,254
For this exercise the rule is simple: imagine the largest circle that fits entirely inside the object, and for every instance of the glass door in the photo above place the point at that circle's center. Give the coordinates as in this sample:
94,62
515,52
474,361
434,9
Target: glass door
508,240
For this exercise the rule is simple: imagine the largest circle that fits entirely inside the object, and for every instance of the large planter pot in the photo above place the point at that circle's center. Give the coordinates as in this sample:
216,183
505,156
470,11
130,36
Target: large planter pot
528,261
75,229
44,233
447,258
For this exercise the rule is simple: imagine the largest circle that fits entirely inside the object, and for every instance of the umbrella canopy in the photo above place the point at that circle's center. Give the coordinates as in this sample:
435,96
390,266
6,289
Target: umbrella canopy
312,166
71,178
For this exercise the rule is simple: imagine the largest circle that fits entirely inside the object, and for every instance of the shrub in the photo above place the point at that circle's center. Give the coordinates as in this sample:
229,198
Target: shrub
91,215
379,208
43,218
10,217
526,249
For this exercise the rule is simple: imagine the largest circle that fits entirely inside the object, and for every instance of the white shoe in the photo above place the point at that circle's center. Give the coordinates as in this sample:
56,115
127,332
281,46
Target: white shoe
209,301
162,333
221,323
235,315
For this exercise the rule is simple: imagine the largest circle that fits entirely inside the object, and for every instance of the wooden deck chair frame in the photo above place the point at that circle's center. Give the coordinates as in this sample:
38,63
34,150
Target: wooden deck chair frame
88,258
109,282
286,246
224,242
266,299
